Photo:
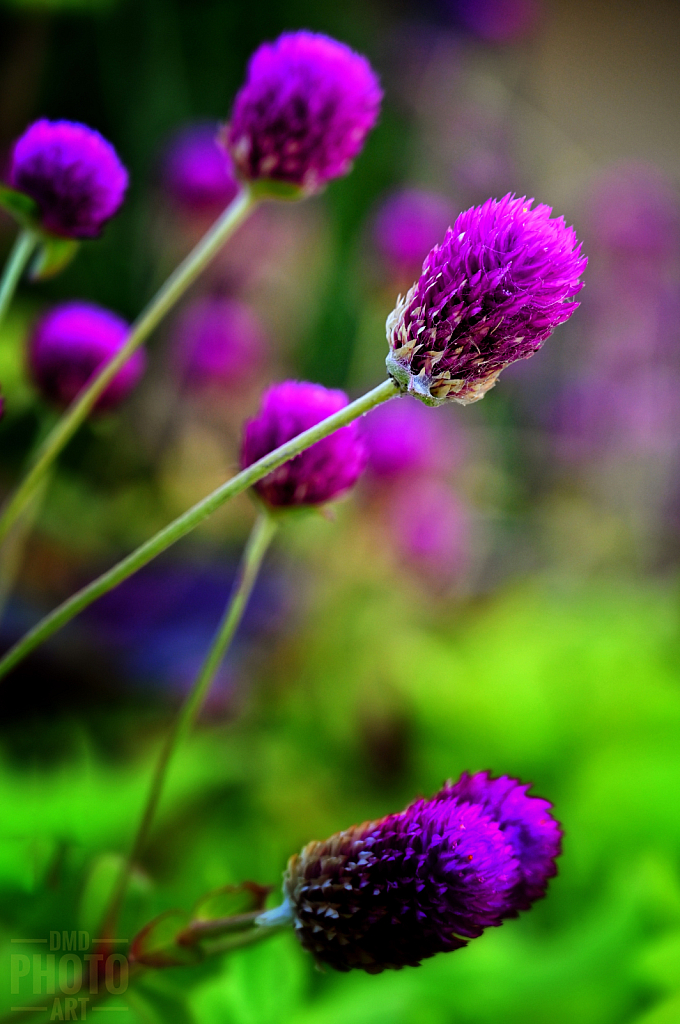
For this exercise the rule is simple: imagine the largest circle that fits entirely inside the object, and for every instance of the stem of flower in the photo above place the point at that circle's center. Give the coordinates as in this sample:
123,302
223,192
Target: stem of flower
163,301
260,538
190,519
22,249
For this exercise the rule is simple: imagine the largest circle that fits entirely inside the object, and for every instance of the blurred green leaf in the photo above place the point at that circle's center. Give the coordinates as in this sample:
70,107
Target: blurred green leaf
54,255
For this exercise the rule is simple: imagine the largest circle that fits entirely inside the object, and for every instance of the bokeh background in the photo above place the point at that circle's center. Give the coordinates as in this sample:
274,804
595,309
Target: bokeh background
503,596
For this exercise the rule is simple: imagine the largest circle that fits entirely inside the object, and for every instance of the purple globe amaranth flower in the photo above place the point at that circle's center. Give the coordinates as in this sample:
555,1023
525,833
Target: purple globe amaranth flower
218,341
322,472
501,281
304,111
197,172
408,223
73,174
70,343
431,527
392,892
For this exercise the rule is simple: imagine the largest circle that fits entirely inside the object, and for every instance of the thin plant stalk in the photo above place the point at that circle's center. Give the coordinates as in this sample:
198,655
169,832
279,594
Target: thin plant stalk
22,250
260,538
190,519
163,301
12,551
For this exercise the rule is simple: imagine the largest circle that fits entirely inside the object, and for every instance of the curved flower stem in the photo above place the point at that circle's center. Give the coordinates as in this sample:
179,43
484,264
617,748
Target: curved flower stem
189,520
255,550
163,301
25,244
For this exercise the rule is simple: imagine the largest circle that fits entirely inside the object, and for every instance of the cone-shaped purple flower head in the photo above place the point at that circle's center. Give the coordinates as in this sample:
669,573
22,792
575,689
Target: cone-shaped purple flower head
324,471
390,893
218,342
73,174
501,281
70,343
304,111
197,172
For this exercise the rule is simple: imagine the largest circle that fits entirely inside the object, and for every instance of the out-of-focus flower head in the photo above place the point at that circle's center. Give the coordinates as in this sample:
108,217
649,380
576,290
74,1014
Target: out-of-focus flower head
431,528
497,21
217,342
403,438
319,474
392,892
197,172
634,210
70,343
501,281
304,112
72,173
408,224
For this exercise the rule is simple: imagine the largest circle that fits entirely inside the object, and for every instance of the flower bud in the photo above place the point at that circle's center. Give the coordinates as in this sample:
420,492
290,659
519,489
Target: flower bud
501,281
70,343
392,892
72,173
217,342
303,113
323,471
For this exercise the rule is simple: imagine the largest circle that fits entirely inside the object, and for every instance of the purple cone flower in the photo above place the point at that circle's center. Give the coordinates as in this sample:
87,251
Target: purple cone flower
392,892
501,281
197,172
218,341
322,472
72,173
304,112
70,343
408,224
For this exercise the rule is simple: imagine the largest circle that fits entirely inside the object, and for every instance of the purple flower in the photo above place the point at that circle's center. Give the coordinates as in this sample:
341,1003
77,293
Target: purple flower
72,173
197,172
501,281
634,212
218,341
322,472
70,343
408,224
392,892
403,438
497,21
304,112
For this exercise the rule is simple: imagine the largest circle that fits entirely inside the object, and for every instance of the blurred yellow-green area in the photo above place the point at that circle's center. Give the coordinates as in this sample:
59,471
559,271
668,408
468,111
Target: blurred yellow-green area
509,602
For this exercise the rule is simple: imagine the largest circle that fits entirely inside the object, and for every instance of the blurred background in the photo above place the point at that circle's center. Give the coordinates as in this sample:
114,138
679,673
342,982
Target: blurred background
500,591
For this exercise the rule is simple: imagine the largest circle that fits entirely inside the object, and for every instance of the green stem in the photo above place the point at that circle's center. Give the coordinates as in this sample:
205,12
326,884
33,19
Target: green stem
24,245
255,550
189,520
169,293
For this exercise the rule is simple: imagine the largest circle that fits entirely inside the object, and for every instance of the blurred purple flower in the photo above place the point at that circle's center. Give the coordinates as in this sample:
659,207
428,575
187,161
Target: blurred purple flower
197,172
497,21
408,224
634,210
392,892
431,528
72,173
70,343
404,438
324,471
491,293
304,111
217,341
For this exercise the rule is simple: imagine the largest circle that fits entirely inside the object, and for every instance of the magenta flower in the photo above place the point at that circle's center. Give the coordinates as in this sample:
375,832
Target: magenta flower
73,174
497,21
408,224
392,892
304,111
217,341
501,281
324,471
197,172
70,343
431,528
